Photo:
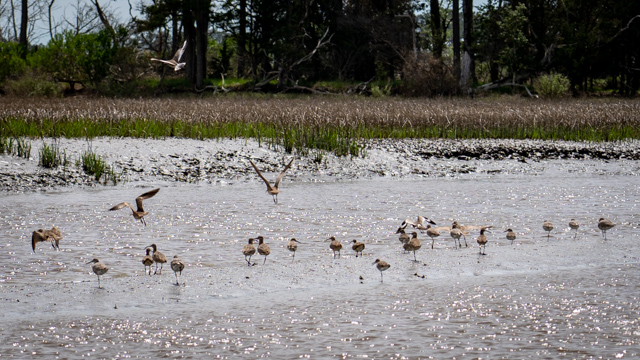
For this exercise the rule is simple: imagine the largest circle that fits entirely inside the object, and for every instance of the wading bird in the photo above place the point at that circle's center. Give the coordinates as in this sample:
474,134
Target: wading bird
573,224
357,247
414,244
272,190
510,235
335,245
604,225
382,266
147,260
433,233
403,237
175,61
482,241
292,245
456,233
53,235
263,249
177,266
98,269
158,258
138,214
547,226
248,251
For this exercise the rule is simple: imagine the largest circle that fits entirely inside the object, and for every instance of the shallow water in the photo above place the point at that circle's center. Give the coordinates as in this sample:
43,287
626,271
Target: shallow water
542,298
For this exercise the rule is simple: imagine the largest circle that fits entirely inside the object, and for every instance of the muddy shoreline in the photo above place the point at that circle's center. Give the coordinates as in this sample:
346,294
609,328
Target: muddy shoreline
226,161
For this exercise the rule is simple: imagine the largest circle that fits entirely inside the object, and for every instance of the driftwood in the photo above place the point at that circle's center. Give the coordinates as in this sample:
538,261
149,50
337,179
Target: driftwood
510,81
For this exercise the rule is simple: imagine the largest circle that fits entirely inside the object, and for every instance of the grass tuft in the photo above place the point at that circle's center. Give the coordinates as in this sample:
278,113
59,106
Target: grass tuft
51,156
93,164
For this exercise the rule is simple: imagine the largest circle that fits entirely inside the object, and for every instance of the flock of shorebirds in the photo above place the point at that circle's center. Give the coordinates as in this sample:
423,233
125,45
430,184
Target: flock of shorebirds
410,242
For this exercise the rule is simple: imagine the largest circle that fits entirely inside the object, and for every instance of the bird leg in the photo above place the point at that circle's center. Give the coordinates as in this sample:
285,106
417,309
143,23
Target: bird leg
265,260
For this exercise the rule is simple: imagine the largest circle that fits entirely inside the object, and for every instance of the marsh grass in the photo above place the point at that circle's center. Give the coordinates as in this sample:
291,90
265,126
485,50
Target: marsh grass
15,146
51,156
93,164
335,124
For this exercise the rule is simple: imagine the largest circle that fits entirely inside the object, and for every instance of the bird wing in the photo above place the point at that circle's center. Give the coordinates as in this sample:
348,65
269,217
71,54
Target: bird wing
36,237
408,222
269,187
146,195
168,62
282,173
121,205
442,228
178,54
422,219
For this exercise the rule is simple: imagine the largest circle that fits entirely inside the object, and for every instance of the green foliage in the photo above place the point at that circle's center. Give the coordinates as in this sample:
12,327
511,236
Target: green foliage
512,26
33,84
93,164
51,156
70,57
15,146
552,85
12,64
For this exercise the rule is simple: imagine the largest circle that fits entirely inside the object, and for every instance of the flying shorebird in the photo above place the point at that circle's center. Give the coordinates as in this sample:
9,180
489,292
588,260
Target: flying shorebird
382,266
510,235
293,246
158,258
357,247
272,190
433,233
482,241
98,269
604,225
335,245
248,251
175,61
414,244
547,226
419,224
147,260
138,214
573,224
263,249
177,266
54,235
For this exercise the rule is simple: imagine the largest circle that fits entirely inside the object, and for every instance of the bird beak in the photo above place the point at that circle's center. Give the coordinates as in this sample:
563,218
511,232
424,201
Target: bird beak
432,222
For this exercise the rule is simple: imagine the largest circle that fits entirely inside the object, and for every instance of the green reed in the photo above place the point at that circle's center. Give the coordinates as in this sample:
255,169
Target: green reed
51,156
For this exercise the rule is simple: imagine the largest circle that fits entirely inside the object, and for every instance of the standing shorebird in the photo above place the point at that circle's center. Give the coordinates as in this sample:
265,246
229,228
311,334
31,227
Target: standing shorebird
482,241
420,223
54,235
403,237
175,61
335,245
147,260
272,190
456,233
357,247
382,266
138,214
573,224
604,225
158,258
177,265
510,235
248,251
433,234
547,226
98,269
263,249
414,244
292,245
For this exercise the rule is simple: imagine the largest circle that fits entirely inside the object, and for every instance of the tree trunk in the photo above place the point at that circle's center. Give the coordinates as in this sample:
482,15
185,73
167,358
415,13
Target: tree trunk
190,36
242,37
436,28
24,24
456,40
467,9
202,40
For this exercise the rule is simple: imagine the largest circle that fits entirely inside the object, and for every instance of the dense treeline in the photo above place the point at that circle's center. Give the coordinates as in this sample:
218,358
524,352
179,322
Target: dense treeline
412,48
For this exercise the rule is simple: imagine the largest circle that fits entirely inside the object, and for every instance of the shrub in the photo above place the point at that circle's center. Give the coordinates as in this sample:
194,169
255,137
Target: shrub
33,84
12,64
552,85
